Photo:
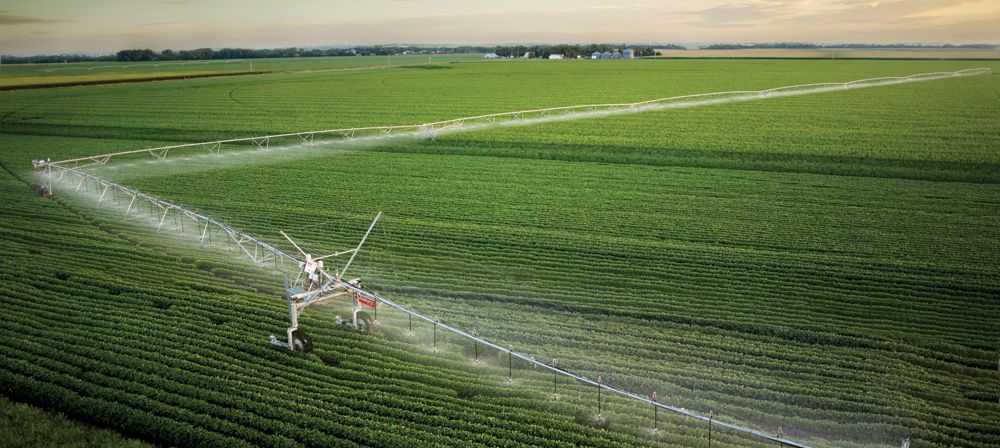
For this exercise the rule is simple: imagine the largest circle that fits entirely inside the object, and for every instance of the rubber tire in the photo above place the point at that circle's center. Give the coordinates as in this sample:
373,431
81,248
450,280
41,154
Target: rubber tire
302,342
365,322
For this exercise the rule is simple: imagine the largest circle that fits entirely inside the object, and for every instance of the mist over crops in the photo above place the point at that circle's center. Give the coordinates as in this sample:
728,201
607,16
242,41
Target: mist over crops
821,265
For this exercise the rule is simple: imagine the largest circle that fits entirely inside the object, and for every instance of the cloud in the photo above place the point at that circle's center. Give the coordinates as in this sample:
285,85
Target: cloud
165,26
957,12
212,23
805,19
726,14
9,18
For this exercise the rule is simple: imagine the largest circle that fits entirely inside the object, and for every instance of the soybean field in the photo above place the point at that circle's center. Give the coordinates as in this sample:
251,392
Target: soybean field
821,267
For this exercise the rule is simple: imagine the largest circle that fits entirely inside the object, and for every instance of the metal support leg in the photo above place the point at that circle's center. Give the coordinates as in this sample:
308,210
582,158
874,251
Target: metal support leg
293,312
655,411
129,209
165,211
510,365
101,199
599,381
711,416
202,239
354,312
555,379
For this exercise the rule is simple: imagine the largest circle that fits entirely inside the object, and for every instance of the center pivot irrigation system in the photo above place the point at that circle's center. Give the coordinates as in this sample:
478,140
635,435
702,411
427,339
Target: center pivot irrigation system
499,119
314,284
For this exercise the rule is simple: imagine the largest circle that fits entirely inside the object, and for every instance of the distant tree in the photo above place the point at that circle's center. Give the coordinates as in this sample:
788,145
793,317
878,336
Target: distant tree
135,55
644,50
725,47
196,54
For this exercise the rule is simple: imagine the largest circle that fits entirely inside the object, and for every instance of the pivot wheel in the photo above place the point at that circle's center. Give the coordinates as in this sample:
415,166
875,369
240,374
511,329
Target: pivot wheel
301,341
365,322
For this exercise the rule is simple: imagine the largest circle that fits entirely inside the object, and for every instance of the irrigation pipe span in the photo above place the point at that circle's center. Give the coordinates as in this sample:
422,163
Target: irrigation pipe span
245,242
532,115
74,167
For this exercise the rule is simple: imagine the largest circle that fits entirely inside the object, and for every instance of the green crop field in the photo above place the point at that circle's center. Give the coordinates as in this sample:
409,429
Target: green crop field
47,75
838,53
23,425
824,267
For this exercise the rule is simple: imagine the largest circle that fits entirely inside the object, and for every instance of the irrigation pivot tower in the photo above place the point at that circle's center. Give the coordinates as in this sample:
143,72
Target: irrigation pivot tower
314,284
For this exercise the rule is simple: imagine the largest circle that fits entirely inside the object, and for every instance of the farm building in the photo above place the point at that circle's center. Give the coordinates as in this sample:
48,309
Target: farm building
491,56
555,56
628,54
616,55
595,55
606,55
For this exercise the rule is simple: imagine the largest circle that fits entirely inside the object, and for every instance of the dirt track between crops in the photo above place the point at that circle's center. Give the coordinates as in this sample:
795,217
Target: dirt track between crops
131,80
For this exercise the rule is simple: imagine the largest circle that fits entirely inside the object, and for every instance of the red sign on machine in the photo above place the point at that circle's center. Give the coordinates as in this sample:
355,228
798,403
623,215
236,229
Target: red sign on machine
366,301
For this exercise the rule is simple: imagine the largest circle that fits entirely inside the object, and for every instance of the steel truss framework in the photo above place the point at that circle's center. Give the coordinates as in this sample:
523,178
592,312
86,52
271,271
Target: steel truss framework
264,254
433,128
267,255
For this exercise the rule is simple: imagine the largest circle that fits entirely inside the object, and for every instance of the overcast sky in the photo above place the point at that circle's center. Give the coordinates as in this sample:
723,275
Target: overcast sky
103,26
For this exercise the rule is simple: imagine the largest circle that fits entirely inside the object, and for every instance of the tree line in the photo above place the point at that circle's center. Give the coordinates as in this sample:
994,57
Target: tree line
803,45
146,54
572,51
291,52
537,51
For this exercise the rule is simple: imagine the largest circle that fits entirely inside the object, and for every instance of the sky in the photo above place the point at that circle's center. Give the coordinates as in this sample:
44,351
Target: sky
105,26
